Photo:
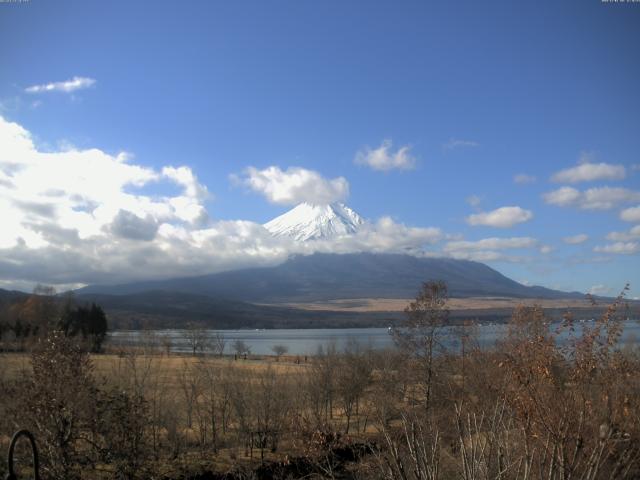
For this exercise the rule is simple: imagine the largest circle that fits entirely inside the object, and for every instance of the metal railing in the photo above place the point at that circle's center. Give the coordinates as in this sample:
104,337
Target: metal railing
34,451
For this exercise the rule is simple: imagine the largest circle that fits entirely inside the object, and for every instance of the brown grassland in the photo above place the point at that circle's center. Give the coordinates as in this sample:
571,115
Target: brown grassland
530,408
467,303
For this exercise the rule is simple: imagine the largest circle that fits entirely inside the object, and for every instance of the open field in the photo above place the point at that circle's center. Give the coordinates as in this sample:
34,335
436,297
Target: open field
177,389
13,364
457,304
140,413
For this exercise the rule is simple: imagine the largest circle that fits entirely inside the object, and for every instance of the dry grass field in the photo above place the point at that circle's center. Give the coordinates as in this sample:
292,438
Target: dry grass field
166,381
511,412
106,364
458,304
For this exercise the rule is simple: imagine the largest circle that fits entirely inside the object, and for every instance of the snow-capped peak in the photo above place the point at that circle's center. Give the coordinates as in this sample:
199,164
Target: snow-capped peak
311,222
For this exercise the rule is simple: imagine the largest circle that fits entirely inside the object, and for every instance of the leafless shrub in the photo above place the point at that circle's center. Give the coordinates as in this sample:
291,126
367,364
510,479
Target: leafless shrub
60,400
412,451
123,420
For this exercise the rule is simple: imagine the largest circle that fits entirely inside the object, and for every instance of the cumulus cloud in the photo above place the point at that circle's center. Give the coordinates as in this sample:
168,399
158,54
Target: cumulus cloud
294,185
632,234
77,211
67,86
454,143
384,158
620,248
631,214
563,197
588,172
600,198
129,225
523,178
184,176
600,290
73,217
490,249
576,239
384,235
503,217
493,243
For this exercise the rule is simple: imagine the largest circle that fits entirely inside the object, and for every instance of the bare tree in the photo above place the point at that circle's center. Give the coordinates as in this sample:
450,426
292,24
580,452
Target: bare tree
279,350
218,344
189,383
261,402
418,334
321,384
241,348
197,338
352,378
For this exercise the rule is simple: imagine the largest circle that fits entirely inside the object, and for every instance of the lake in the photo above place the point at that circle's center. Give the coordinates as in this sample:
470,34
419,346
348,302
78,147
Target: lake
307,341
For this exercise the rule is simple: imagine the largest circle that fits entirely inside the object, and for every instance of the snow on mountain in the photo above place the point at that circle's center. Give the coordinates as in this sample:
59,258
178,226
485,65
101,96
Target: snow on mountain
312,222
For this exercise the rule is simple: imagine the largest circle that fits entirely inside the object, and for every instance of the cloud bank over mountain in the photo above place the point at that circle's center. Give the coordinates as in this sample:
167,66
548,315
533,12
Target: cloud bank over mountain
84,216
77,216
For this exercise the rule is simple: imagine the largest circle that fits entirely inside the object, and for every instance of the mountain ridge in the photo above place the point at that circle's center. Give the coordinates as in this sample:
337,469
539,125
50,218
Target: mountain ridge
323,276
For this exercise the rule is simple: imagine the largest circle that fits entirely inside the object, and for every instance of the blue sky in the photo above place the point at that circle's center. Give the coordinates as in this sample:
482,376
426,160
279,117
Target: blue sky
475,94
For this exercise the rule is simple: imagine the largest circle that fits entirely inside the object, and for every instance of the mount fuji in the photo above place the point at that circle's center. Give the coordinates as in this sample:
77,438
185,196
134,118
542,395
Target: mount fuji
313,222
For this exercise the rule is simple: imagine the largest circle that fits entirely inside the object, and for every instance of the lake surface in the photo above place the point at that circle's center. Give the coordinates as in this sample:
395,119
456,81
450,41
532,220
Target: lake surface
307,341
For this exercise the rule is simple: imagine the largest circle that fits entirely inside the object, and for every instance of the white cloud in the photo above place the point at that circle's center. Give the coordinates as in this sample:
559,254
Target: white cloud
384,235
488,256
523,178
576,239
600,198
563,197
294,185
384,159
184,176
493,243
588,172
76,83
490,249
72,217
544,249
474,200
632,234
503,217
620,248
454,143
128,225
631,214
600,290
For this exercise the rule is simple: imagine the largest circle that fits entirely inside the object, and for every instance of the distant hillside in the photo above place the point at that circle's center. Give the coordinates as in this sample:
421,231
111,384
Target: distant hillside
331,276
8,297
166,309
162,309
